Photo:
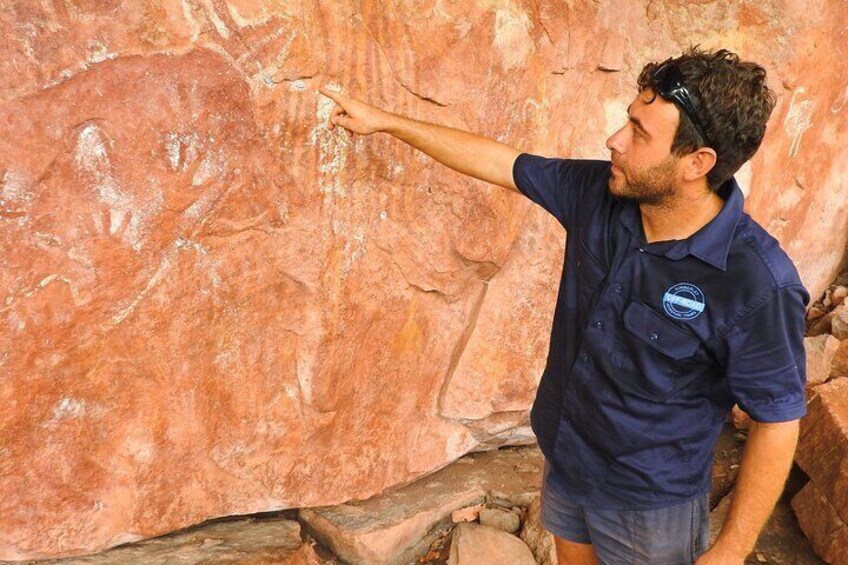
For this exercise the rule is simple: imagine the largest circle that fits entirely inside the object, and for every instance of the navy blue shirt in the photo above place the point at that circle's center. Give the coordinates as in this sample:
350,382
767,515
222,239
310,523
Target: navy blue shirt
653,343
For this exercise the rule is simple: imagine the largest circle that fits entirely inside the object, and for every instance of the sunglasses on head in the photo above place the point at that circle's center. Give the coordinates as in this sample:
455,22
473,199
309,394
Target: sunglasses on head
670,86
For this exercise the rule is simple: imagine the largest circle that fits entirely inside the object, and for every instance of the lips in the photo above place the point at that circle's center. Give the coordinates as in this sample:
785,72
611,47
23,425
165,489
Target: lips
615,168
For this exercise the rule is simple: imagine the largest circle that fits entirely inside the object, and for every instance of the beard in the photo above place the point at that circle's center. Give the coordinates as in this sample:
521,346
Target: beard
654,186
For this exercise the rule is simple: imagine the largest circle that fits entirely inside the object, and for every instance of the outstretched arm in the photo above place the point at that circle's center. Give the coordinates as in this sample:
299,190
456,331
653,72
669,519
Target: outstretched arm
765,465
467,153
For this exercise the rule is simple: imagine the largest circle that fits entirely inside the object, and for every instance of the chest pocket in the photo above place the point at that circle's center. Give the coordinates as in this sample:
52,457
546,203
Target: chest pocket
652,352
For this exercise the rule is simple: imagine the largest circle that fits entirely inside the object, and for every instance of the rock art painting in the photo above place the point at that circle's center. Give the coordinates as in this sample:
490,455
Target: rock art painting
212,304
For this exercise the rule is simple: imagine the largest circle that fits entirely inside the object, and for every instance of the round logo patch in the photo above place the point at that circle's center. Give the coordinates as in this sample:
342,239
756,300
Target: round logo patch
683,301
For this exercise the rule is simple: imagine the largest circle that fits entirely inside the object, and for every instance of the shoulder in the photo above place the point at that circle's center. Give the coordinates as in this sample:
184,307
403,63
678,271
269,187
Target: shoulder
766,260
591,169
761,272
564,187
565,168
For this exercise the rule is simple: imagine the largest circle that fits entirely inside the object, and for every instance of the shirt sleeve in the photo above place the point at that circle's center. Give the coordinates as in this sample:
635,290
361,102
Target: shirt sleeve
766,363
559,185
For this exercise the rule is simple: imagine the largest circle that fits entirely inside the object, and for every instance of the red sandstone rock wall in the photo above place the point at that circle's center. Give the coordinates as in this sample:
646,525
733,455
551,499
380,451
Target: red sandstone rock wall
211,304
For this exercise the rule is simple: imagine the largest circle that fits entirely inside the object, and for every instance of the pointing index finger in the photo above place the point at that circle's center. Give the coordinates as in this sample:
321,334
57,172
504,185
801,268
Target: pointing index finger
333,94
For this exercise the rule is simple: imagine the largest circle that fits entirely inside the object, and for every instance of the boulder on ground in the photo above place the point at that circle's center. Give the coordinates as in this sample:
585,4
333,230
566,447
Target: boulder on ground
822,525
824,325
839,323
504,520
467,514
839,294
839,363
822,451
538,539
820,352
474,544
397,526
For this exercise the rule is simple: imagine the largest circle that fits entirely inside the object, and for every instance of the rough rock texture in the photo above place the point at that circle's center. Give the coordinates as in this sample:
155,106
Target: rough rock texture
538,539
823,324
211,304
505,520
467,514
271,541
839,324
820,352
839,364
823,455
398,526
474,544
822,451
824,527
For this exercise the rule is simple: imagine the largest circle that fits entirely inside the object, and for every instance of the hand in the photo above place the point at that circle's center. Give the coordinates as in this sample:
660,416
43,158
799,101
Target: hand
355,115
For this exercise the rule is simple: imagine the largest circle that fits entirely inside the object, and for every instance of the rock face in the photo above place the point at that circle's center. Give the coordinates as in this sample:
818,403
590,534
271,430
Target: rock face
212,304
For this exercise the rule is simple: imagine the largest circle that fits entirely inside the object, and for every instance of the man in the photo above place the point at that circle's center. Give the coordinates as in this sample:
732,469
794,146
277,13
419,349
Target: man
673,305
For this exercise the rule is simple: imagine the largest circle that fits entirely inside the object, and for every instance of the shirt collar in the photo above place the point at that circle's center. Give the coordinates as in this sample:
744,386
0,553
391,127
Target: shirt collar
710,244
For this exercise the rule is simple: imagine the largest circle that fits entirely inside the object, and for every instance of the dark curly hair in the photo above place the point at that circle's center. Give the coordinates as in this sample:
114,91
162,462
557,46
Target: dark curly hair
732,101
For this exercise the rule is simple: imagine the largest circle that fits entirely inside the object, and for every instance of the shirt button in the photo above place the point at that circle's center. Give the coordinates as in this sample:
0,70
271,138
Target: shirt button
599,324
654,336
584,357
641,250
618,288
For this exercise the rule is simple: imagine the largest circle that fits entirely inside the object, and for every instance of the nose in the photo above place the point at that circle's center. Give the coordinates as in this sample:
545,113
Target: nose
615,141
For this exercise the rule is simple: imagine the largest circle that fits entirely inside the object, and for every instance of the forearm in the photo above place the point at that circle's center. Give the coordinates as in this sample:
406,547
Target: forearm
765,466
465,152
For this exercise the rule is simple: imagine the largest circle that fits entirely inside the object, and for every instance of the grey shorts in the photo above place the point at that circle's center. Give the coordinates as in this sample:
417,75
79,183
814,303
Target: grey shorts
668,536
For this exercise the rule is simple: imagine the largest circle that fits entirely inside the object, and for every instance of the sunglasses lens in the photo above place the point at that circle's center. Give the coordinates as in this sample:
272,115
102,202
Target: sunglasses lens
668,78
671,88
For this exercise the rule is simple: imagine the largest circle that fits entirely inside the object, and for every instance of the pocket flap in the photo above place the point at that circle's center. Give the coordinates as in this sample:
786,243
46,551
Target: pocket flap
661,334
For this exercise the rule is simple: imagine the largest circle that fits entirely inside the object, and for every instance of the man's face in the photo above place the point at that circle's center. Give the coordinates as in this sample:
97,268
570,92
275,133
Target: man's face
643,168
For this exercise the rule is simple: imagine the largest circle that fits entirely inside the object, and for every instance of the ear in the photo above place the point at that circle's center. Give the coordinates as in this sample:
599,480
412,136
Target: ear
699,163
